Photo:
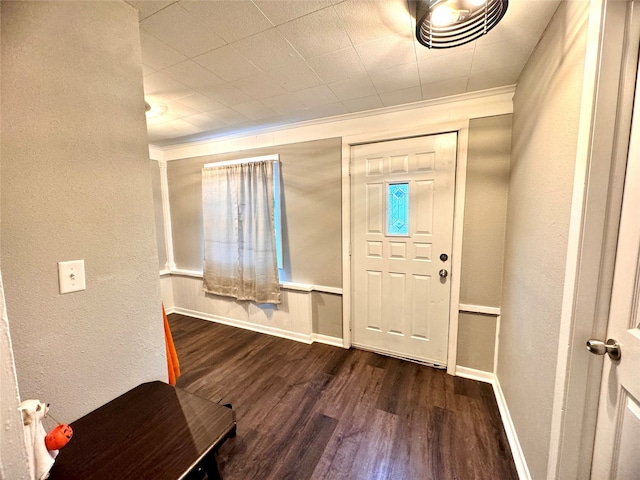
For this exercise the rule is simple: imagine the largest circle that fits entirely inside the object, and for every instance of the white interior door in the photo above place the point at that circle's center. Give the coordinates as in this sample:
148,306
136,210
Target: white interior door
616,454
402,224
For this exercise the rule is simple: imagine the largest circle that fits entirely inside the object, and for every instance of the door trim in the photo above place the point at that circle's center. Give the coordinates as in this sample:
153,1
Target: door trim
609,83
456,253
461,127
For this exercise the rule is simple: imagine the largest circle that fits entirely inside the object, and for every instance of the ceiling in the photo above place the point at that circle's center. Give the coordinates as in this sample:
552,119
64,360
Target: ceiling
223,67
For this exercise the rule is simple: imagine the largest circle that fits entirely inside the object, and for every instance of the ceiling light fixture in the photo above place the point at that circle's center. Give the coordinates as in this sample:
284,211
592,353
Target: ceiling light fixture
156,110
450,23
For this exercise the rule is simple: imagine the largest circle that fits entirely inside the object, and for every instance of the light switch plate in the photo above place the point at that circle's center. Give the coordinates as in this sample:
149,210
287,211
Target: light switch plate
71,276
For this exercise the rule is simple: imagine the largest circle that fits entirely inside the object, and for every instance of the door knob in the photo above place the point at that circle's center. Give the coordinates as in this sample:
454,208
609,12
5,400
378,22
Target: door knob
612,348
443,273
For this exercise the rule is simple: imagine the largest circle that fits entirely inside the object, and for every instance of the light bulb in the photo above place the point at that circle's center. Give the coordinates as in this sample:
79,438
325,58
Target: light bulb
444,15
477,3
156,110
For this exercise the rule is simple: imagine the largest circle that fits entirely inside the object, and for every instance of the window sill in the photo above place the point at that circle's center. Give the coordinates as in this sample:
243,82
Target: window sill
297,287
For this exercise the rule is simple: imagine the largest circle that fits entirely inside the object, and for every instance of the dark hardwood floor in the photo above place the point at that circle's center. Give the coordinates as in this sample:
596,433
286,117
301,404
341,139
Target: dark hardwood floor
322,412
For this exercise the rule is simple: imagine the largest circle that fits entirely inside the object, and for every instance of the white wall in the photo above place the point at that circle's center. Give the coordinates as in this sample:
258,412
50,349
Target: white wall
544,145
76,184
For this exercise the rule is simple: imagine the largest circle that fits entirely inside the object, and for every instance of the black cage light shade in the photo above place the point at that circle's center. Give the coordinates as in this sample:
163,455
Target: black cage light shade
450,23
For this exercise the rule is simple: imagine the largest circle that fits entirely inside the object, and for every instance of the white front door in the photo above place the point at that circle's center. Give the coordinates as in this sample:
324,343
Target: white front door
616,454
402,224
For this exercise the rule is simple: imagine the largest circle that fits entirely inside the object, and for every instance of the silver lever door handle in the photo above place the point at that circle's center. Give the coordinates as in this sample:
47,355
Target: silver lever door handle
612,348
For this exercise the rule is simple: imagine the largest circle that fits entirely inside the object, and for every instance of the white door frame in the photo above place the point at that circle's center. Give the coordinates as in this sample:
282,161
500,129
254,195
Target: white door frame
462,128
607,98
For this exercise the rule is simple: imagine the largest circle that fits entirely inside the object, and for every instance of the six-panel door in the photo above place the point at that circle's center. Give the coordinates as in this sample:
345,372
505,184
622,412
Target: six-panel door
402,221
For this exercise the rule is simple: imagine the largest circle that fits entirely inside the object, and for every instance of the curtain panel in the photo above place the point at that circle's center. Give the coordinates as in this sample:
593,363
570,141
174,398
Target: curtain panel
239,232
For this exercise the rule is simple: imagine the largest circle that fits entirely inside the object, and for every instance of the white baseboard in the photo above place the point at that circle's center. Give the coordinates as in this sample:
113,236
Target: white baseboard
507,422
254,327
514,443
473,374
299,337
327,340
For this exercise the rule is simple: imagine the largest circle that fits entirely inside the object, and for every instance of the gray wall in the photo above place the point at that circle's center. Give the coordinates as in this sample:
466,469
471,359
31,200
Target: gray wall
476,341
311,176
545,125
76,184
327,314
311,203
485,216
485,210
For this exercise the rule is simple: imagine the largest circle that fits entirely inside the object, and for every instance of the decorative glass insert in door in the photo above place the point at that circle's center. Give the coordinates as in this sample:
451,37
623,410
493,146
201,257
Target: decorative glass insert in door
398,209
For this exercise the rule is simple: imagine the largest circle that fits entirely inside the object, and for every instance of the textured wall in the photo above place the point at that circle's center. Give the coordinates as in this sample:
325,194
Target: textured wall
545,126
13,458
76,184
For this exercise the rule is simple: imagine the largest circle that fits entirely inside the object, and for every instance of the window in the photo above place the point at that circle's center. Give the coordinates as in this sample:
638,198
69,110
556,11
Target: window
277,209
241,221
398,209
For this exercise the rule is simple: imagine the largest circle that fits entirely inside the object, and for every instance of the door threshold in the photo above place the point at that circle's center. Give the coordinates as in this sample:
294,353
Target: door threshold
426,363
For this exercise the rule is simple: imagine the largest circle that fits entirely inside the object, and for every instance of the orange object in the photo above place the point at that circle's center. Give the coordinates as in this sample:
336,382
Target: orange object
58,437
173,365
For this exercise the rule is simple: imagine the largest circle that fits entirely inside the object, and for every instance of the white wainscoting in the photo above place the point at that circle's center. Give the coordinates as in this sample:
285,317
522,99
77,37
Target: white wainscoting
292,319
166,289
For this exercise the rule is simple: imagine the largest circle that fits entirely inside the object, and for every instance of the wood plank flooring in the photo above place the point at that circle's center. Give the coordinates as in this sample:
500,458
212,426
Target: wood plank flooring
322,412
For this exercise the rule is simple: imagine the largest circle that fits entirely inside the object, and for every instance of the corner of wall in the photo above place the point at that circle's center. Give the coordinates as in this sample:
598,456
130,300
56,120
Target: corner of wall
13,456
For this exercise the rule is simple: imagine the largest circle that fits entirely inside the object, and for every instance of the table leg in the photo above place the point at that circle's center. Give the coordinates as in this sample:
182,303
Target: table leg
211,467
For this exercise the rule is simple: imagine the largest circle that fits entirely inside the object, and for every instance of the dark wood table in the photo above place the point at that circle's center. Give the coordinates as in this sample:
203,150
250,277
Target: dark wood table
154,431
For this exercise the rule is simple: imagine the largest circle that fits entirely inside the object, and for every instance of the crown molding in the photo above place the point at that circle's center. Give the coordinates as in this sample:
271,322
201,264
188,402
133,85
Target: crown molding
489,102
155,152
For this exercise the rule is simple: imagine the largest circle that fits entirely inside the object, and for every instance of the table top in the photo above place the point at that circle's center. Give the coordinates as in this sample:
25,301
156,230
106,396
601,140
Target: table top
153,431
